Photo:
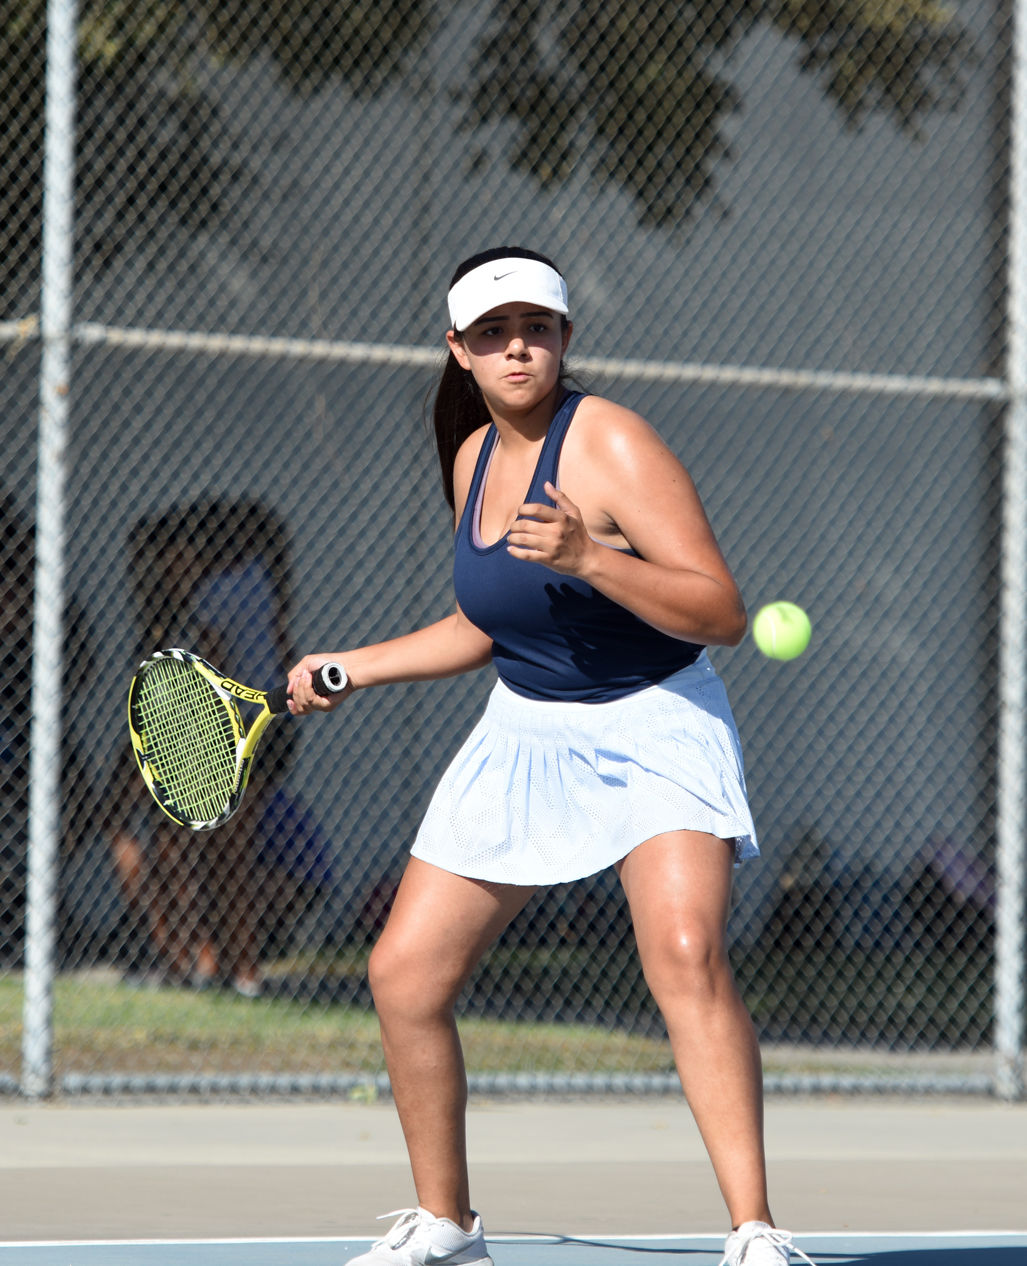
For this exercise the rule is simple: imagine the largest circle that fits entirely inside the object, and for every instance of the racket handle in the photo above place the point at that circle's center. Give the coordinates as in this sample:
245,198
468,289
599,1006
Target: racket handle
329,679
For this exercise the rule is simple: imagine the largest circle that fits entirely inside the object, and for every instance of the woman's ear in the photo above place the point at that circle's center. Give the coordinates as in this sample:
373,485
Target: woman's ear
568,330
456,346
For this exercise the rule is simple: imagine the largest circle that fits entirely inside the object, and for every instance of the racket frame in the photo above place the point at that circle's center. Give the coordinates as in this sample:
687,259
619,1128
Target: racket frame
270,702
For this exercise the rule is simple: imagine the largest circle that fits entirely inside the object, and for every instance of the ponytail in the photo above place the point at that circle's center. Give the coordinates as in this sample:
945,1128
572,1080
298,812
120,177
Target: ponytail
458,412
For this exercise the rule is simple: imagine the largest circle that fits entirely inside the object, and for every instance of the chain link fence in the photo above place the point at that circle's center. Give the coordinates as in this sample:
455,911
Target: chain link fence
785,227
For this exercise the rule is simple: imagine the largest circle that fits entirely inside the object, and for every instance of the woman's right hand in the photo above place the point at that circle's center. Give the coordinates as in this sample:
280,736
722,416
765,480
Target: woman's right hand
303,698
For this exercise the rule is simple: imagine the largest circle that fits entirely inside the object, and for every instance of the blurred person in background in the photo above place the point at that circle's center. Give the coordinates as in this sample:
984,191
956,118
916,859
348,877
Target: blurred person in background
211,578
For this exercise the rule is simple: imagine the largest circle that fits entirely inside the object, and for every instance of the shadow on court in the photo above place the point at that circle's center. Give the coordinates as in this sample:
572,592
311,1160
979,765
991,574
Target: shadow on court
575,1251
1008,1256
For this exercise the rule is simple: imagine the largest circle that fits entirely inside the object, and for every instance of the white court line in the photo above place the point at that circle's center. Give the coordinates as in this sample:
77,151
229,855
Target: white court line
527,1237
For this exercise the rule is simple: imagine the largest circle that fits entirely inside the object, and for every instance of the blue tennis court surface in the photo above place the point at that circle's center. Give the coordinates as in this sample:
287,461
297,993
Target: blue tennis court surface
952,1249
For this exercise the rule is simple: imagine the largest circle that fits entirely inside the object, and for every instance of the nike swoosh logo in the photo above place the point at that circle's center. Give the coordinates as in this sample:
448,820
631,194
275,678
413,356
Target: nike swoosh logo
433,1258
500,276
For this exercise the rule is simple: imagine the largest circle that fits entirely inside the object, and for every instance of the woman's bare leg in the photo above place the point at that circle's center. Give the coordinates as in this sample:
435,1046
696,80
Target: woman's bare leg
439,927
678,886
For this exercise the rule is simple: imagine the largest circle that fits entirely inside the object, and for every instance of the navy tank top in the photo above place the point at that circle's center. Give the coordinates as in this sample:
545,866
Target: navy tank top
553,636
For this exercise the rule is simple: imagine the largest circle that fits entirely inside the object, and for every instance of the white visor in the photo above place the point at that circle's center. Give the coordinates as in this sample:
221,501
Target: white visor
500,281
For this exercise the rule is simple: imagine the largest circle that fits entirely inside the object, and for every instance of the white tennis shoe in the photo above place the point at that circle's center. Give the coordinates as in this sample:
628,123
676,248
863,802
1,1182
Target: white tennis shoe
419,1238
760,1244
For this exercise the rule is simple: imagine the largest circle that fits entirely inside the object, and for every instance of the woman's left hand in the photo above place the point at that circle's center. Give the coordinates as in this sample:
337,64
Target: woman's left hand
554,535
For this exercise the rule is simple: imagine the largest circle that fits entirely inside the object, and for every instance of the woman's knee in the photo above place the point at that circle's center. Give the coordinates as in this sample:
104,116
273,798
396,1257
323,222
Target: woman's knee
687,962
406,983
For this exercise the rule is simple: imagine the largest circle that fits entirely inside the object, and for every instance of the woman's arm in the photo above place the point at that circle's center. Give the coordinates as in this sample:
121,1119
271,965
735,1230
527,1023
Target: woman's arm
444,649
626,477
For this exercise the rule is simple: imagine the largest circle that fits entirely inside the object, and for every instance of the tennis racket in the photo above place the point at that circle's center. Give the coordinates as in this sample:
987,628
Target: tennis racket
190,742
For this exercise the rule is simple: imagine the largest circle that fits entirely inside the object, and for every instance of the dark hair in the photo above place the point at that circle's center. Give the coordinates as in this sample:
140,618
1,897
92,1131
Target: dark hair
459,408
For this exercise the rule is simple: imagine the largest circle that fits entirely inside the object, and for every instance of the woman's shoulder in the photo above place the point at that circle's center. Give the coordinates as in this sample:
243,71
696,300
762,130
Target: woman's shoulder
604,429
467,453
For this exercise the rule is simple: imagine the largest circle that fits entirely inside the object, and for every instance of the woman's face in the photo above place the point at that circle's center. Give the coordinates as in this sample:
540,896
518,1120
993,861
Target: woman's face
514,353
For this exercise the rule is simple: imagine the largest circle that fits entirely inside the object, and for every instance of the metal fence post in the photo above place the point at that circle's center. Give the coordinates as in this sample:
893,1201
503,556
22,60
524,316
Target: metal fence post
55,372
1012,758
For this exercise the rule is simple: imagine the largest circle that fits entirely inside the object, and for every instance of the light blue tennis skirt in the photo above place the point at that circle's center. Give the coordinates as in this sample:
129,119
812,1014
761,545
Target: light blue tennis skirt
545,792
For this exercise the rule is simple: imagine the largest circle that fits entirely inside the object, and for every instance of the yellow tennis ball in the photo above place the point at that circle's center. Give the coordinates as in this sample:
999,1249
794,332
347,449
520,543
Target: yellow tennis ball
781,630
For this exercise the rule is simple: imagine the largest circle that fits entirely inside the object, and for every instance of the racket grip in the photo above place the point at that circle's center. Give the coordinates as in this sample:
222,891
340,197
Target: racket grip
329,679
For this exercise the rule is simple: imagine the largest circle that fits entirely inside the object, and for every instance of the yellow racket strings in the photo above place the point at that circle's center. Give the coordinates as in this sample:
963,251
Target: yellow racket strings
189,739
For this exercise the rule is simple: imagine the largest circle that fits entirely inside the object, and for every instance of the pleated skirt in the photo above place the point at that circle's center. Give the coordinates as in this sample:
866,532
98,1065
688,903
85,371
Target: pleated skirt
546,792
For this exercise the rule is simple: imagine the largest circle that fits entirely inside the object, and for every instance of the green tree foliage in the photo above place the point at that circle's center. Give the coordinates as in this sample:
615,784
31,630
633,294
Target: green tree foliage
639,90
151,143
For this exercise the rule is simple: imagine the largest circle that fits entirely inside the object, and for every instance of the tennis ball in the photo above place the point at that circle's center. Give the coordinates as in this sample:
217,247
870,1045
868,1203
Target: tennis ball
781,630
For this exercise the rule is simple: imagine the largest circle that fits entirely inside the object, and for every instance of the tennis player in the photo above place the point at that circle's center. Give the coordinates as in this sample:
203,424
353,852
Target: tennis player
587,573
